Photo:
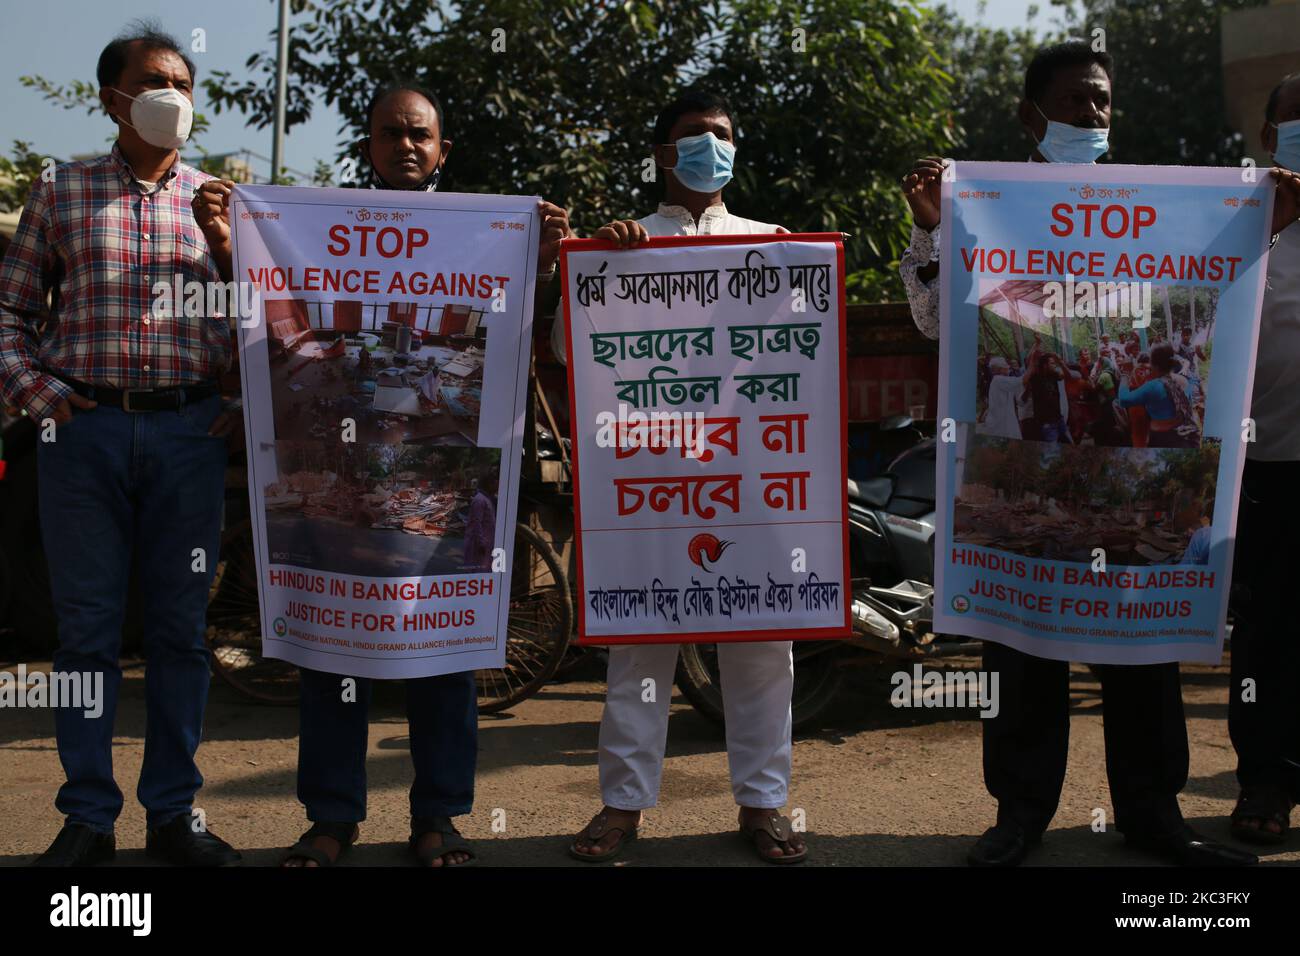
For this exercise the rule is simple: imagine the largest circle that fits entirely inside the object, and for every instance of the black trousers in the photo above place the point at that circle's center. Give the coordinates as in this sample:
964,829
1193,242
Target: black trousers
1265,644
1026,744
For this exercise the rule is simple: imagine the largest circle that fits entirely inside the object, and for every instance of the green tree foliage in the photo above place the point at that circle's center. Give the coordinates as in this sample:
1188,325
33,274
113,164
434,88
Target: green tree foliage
1169,105
18,175
988,65
558,97
84,95
828,117
1168,102
830,124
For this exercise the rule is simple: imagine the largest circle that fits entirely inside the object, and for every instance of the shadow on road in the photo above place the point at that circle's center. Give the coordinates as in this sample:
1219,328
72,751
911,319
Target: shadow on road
1075,846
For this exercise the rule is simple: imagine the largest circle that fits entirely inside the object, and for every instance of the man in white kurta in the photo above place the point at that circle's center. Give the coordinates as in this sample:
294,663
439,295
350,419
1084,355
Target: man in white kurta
1002,418
757,677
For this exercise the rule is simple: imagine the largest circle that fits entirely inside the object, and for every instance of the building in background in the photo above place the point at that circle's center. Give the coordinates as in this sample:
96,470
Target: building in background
234,166
1259,47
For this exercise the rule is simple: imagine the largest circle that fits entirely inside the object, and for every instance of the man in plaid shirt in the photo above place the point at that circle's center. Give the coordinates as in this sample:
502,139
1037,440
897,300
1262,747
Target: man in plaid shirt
132,456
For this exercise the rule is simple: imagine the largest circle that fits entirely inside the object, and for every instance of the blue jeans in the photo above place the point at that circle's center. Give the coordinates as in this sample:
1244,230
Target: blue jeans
118,488
334,733
1055,432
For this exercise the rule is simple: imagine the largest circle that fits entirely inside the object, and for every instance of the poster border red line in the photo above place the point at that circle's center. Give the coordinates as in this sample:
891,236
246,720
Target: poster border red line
705,637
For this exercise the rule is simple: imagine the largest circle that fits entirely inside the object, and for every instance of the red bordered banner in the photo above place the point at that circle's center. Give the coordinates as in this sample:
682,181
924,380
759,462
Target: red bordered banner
758,500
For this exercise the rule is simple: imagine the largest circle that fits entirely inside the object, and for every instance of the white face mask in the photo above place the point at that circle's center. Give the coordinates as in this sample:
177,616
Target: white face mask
1288,144
1062,143
162,117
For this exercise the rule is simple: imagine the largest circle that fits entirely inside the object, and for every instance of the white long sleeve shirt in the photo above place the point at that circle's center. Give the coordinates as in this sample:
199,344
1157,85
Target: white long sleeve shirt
922,296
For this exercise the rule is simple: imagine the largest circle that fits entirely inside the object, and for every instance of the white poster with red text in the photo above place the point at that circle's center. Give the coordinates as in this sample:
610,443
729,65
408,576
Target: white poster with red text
384,367
708,404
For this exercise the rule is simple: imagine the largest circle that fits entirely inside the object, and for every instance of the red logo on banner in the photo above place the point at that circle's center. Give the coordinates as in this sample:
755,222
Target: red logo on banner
705,546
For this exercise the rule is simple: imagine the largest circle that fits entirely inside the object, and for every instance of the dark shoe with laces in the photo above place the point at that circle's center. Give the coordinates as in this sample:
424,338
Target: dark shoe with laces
1006,844
178,843
1185,847
78,845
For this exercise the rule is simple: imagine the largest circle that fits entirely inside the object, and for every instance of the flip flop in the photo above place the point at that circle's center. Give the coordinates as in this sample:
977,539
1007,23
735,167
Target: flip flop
345,834
1267,804
452,842
596,829
779,829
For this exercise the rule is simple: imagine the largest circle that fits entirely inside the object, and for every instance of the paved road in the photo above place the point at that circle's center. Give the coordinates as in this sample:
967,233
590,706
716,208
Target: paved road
880,786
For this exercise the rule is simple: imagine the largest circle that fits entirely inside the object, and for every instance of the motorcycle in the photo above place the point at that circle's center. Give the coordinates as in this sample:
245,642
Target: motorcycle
891,560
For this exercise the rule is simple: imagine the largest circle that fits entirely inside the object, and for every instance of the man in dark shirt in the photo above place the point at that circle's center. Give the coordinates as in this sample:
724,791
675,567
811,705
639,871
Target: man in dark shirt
1026,745
1044,388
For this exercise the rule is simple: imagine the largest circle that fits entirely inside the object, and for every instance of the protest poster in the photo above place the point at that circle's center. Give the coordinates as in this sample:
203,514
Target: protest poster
384,369
1097,353
708,400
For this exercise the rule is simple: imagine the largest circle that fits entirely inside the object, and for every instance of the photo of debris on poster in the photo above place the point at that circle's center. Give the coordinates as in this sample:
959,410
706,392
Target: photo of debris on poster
401,371
383,510
1144,506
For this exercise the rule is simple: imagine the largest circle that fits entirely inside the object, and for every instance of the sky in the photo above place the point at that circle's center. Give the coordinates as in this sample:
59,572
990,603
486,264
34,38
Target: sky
61,40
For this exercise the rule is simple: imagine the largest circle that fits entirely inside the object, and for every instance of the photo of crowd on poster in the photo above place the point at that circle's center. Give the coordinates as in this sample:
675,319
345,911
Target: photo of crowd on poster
1124,367
411,509
402,371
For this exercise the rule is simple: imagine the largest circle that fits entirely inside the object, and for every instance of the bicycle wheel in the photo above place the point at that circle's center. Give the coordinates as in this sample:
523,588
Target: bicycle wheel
541,615
235,626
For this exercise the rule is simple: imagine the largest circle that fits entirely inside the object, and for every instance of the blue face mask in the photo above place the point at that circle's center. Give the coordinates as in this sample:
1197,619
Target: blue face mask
1063,143
704,162
1288,144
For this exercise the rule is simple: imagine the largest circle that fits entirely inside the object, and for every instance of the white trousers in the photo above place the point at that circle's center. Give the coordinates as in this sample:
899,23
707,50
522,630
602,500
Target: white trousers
757,680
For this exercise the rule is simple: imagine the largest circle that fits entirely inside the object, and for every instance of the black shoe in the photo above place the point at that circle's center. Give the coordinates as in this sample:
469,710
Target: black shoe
1005,844
1186,847
177,842
78,845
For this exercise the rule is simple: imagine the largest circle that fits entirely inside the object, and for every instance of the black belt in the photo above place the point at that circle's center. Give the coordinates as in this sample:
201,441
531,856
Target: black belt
143,399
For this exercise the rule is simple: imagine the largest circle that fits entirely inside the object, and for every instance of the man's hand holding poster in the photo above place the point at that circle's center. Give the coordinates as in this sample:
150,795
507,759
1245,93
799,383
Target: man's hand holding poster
1098,343
384,371
707,396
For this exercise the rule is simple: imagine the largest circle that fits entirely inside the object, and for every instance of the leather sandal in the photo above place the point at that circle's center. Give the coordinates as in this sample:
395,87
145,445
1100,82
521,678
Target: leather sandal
1267,804
344,834
452,842
779,829
597,828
